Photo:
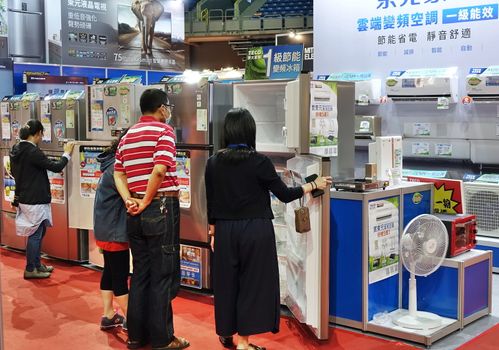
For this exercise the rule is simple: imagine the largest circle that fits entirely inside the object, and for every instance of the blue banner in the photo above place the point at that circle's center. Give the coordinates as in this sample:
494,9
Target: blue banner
287,61
274,62
470,14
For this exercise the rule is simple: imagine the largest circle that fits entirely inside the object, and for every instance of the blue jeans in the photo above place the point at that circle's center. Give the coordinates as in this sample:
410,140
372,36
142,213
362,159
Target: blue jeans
154,242
34,247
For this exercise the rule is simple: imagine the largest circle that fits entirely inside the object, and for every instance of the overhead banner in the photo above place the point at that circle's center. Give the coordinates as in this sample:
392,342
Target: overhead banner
383,35
274,62
110,33
305,38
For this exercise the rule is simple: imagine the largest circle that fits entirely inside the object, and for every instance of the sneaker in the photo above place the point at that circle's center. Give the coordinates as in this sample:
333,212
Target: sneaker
45,268
35,274
108,323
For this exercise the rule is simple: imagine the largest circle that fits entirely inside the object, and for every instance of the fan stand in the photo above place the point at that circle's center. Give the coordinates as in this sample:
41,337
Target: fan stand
416,319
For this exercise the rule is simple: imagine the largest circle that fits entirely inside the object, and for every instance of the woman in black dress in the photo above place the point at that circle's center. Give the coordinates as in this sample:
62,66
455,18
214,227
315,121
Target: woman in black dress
246,275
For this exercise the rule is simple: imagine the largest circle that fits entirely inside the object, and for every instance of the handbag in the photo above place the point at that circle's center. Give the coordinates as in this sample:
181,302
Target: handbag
302,215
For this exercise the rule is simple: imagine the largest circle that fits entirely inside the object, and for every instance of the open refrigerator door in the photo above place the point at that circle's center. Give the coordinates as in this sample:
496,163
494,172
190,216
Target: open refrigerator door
303,273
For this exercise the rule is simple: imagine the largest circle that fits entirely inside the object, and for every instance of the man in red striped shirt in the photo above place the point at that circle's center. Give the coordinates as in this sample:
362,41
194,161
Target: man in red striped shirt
145,176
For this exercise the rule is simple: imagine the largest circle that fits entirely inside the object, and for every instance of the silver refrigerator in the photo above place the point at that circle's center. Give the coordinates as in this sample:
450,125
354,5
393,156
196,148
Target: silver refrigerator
110,108
60,115
27,40
16,111
197,117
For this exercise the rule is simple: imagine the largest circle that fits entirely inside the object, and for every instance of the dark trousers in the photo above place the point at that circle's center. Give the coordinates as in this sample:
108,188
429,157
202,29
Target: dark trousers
34,248
246,277
115,275
154,242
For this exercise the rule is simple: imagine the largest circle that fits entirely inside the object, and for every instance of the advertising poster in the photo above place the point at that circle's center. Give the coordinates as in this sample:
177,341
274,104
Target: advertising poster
305,38
323,119
89,170
190,266
46,120
117,33
447,194
184,178
57,186
9,184
5,115
383,238
274,62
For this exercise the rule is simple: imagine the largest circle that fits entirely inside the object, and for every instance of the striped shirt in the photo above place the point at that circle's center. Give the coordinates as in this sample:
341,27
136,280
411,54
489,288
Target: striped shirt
147,143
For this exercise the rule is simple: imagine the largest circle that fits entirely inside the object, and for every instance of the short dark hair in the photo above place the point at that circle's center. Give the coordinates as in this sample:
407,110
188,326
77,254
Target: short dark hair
31,128
239,128
152,99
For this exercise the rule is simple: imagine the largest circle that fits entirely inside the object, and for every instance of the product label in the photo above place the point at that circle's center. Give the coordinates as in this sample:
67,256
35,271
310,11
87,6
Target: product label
184,178
383,239
191,266
89,170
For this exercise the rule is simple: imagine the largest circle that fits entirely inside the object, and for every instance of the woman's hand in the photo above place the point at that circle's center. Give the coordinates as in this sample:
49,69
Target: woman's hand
323,182
320,183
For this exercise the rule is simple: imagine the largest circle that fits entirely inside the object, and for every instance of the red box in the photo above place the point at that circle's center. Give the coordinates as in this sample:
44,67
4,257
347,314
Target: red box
462,231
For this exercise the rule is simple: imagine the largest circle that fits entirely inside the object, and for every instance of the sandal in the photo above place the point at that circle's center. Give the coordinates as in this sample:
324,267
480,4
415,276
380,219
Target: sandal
177,343
227,342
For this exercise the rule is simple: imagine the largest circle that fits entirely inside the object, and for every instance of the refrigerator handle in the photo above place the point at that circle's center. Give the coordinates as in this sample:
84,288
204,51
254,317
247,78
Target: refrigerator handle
26,12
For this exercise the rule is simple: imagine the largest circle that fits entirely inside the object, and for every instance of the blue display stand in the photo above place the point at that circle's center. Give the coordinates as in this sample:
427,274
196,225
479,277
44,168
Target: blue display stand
353,299
459,291
492,244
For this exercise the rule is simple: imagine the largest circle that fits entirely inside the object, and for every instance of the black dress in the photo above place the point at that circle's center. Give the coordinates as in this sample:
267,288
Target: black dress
246,275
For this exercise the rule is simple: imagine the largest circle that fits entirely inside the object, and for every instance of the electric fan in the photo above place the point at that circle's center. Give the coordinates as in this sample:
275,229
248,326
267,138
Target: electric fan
422,248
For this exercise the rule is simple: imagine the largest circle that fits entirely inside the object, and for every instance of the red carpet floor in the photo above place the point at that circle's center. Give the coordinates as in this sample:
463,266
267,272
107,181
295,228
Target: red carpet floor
63,313
486,341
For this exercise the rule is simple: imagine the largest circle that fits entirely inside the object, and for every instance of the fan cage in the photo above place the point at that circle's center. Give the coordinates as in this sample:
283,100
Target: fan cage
482,200
412,255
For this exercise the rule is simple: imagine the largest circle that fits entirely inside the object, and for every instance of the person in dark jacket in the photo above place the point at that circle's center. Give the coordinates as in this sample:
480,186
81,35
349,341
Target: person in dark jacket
246,276
110,233
32,195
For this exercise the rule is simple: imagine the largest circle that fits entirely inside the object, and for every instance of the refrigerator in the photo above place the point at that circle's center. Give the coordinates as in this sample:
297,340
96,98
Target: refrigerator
16,111
297,127
110,107
62,116
197,118
27,40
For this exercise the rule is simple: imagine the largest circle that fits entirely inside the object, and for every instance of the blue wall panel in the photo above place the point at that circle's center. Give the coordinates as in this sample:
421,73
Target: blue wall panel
495,253
345,267
383,296
20,68
476,287
411,209
437,293
88,72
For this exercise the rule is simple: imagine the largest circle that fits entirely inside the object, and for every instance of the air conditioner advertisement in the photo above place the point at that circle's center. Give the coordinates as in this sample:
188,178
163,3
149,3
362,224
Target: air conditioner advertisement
324,119
383,239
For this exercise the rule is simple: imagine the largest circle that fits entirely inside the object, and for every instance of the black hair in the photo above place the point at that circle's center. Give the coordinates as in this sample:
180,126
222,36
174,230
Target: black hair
239,135
31,128
115,143
152,99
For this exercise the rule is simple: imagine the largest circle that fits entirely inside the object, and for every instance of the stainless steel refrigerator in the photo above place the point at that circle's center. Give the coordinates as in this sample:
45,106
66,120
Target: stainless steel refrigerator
26,20
197,117
110,108
15,112
61,115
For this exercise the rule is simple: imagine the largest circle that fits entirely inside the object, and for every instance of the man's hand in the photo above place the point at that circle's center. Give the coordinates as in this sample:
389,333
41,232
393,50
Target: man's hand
136,206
